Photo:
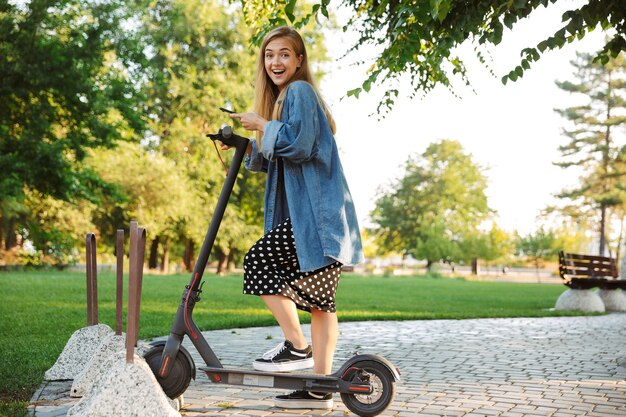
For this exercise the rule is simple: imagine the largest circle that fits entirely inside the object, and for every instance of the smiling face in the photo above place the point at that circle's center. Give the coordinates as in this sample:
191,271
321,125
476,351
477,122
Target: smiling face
281,61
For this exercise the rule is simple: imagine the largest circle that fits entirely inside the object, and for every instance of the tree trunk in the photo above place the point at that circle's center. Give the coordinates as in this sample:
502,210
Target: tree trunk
222,264
165,261
230,263
619,241
10,241
429,264
537,270
153,259
1,230
605,161
602,228
475,267
188,255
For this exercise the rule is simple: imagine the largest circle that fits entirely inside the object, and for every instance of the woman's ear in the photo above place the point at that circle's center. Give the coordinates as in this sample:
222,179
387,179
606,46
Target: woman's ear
300,58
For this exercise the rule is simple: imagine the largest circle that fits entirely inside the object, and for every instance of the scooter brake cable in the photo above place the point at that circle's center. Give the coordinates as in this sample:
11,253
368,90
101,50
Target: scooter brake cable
219,155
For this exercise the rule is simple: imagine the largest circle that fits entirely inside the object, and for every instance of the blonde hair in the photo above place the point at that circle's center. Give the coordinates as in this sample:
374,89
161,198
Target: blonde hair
268,100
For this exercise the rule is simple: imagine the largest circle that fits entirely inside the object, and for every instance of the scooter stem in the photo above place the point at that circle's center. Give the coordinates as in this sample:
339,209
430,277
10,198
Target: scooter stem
183,322
240,144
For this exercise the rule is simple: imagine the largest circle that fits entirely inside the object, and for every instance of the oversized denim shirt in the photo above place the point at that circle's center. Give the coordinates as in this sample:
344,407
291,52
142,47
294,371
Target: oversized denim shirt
316,197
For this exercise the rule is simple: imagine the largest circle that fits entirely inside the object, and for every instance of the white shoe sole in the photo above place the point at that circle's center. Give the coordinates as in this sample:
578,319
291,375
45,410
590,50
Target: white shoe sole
308,404
283,366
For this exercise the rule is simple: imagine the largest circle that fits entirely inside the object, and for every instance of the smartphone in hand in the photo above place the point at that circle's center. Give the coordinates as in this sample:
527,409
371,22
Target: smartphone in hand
226,110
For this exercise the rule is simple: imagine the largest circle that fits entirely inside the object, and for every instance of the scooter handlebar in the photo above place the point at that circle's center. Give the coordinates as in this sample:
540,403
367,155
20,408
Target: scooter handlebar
229,138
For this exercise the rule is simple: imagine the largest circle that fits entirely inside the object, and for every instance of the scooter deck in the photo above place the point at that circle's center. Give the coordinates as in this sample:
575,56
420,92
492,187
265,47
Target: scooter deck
272,380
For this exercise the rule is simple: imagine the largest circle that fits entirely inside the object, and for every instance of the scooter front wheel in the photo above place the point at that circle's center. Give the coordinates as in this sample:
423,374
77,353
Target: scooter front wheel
383,390
179,377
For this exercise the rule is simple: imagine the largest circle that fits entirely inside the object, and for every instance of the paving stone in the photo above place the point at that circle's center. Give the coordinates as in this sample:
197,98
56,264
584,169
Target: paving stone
561,367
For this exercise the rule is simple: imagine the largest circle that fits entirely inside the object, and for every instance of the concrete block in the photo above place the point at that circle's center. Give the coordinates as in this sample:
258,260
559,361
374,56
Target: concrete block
129,390
614,300
105,358
79,349
580,300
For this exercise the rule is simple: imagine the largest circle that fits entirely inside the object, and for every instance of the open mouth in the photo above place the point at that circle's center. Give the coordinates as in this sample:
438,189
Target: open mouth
278,72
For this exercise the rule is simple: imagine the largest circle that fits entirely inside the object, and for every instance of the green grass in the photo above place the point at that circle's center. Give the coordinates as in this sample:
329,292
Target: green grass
40,310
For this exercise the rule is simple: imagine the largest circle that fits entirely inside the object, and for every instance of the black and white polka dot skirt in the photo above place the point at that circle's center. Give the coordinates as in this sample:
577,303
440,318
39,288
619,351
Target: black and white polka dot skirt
271,267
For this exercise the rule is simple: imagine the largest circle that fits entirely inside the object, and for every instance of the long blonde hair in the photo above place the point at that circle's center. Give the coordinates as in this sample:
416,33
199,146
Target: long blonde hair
268,100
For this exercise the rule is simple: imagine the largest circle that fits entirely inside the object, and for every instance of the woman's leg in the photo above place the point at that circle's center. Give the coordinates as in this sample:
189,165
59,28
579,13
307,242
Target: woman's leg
324,333
286,314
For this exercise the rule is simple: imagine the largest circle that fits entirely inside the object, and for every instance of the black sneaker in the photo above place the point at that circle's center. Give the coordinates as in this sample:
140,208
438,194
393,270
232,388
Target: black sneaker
305,399
284,358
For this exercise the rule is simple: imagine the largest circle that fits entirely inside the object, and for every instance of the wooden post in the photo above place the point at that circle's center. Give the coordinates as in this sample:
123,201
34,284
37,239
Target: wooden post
92,280
137,252
119,287
141,249
88,276
131,323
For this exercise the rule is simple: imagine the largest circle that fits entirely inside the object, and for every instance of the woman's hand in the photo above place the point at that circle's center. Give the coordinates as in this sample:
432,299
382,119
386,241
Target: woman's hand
226,147
250,121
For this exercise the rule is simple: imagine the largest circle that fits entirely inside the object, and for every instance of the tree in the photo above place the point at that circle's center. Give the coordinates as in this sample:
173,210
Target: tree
495,244
592,130
151,191
80,77
201,60
198,60
439,203
539,246
56,228
420,39
571,236
63,92
59,98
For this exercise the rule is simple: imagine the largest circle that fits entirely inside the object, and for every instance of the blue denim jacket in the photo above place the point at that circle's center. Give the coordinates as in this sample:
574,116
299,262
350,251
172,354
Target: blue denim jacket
316,197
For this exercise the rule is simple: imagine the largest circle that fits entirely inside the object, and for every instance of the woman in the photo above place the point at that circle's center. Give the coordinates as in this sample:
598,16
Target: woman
311,228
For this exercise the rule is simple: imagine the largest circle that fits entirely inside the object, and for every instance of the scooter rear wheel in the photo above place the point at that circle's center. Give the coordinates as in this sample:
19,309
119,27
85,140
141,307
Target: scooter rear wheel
384,388
179,378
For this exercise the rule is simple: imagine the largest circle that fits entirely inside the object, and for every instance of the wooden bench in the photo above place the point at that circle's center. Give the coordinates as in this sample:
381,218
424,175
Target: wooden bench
584,272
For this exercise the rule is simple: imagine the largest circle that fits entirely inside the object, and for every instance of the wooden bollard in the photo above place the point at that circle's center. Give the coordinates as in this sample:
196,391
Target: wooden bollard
119,287
141,249
137,250
92,280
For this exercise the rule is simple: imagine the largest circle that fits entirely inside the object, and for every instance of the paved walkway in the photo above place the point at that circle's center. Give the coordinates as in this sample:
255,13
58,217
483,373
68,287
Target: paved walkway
561,367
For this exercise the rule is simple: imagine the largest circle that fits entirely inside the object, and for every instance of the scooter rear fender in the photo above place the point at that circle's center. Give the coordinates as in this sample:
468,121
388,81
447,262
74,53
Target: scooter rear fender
359,358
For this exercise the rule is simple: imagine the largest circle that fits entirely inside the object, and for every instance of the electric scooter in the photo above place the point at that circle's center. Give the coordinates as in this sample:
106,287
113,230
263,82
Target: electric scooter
366,383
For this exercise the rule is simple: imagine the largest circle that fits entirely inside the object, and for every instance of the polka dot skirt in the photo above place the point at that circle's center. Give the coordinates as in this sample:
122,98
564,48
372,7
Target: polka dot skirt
271,267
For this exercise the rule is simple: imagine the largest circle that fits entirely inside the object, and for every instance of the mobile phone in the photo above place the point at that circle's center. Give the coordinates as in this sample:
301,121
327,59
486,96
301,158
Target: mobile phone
226,110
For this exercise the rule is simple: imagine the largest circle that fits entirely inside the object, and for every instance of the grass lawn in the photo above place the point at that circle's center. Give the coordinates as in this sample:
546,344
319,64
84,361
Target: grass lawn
40,310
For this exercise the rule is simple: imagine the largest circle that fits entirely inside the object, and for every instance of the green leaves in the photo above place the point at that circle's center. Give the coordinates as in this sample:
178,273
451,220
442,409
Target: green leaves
540,245
263,16
440,9
289,8
60,87
418,38
354,92
82,77
436,206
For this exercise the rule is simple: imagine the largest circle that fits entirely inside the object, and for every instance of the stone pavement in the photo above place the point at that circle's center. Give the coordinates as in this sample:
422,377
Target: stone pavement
561,367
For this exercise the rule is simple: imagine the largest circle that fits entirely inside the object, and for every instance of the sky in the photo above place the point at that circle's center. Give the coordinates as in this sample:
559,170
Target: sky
511,130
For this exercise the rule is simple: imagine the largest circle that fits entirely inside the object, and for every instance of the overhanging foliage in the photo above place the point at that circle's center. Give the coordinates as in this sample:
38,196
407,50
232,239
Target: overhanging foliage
419,38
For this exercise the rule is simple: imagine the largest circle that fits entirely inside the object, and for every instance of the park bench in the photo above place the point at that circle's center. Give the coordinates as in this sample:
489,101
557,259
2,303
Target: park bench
588,271
581,273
